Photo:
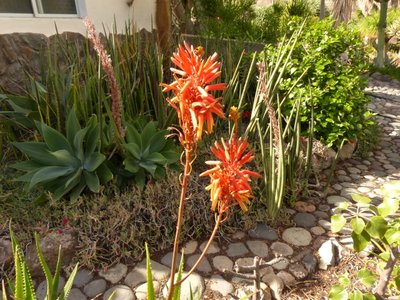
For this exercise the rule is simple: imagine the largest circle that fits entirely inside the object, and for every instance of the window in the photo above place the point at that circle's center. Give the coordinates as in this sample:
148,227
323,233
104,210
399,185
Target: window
42,8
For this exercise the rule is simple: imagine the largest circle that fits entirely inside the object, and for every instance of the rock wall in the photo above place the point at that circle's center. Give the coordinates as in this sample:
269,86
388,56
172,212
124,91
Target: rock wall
21,54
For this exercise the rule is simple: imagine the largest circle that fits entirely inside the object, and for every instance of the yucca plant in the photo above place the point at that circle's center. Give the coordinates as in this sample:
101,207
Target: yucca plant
65,164
23,285
148,152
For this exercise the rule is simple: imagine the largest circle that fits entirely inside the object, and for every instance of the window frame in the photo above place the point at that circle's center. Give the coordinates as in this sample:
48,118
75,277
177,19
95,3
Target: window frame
79,4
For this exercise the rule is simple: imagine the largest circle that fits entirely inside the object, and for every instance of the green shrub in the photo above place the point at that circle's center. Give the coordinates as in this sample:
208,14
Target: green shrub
331,63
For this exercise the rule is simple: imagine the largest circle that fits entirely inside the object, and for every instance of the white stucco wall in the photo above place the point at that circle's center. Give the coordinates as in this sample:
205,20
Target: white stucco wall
99,11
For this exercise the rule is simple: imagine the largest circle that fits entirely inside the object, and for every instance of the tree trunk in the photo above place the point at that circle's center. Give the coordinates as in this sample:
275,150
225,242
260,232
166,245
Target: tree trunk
322,10
163,23
342,10
381,53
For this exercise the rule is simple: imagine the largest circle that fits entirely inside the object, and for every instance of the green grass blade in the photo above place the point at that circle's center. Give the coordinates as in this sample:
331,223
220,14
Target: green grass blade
150,287
68,285
177,291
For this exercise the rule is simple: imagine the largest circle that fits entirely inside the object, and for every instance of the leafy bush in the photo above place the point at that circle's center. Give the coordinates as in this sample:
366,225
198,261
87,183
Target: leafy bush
377,224
326,68
65,164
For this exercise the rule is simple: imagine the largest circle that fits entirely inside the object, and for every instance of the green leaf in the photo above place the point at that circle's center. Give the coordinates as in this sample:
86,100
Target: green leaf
93,136
148,166
72,126
133,136
357,224
338,292
150,287
388,207
368,296
27,166
177,292
376,227
356,295
391,189
360,240
68,285
140,178
148,131
397,282
392,236
49,173
158,141
77,191
131,165
157,158
366,277
133,149
384,256
337,222
54,139
104,173
93,161
171,155
92,181
78,143
360,199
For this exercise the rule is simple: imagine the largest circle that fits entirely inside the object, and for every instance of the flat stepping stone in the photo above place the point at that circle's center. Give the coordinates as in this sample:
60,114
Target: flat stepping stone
264,232
305,220
258,248
167,259
287,278
82,277
213,249
281,264
192,288
336,200
298,270
41,291
236,249
204,265
304,207
190,247
114,274
95,287
121,292
222,262
141,290
325,224
317,230
275,283
297,236
138,274
281,249
219,284
321,214
76,294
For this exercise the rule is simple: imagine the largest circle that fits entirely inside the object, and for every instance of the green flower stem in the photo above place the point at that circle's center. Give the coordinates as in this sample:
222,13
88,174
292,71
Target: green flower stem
204,252
185,179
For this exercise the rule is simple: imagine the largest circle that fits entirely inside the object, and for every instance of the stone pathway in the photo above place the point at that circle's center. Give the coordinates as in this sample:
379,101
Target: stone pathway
302,249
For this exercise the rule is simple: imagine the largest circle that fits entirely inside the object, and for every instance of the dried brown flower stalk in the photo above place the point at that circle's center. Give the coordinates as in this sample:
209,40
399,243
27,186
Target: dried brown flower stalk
106,63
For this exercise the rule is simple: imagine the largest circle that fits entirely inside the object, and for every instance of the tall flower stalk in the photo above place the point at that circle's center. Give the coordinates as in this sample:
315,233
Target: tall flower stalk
196,107
106,63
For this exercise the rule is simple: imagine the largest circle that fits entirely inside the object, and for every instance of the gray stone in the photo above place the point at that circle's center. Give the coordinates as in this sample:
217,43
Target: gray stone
193,284
317,230
121,292
282,264
310,262
82,277
297,236
353,170
190,247
95,287
243,292
275,283
49,244
219,284
344,178
76,294
281,249
298,271
239,235
321,215
213,249
167,259
221,262
304,220
325,224
236,249
115,273
337,187
324,207
264,232
203,267
141,290
336,200
41,291
138,274
6,254
363,189
258,248
287,278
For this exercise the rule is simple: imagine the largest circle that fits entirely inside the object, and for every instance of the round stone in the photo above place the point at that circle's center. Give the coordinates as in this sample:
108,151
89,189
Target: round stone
214,248
76,294
304,220
239,235
287,278
219,284
336,200
317,230
341,172
193,285
344,178
203,267
324,207
95,287
221,262
190,247
281,249
41,291
236,249
298,270
321,215
363,189
141,290
337,187
297,236
353,170
120,292
114,274
264,232
258,248
82,277
281,264
167,259
304,207
325,224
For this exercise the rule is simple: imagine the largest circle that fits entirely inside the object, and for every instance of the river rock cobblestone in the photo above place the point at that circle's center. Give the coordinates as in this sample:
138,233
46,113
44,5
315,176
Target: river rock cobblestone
305,246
